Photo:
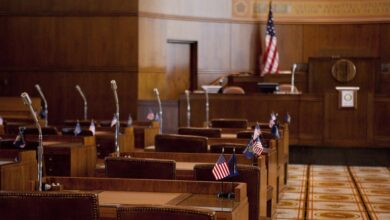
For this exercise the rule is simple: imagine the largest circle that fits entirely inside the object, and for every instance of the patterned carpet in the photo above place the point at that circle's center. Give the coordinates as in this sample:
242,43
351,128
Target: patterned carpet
335,192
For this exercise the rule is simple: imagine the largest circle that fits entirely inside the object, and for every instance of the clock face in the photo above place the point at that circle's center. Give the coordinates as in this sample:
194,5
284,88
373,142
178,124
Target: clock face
348,97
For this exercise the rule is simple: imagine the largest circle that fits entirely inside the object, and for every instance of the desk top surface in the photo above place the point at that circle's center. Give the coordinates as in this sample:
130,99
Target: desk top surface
117,198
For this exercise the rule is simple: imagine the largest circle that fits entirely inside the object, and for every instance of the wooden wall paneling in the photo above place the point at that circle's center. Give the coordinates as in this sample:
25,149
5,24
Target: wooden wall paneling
341,40
290,44
66,7
385,42
321,80
381,119
152,57
245,48
311,120
347,126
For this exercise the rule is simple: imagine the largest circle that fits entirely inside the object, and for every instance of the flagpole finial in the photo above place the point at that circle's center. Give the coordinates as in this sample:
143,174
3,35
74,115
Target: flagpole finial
234,150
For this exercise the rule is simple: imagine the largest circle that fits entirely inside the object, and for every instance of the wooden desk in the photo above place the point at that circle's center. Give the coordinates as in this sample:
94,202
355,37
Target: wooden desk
68,155
105,140
17,169
115,192
186,161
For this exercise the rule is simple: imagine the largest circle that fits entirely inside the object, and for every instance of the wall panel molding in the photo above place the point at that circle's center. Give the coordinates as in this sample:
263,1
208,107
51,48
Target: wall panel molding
309,11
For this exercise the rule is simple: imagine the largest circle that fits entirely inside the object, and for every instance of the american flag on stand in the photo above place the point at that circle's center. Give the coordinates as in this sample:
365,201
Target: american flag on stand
258,147
92,127
272,120
256,132
77,130
271,55
150,115
221,169
114,121
19,140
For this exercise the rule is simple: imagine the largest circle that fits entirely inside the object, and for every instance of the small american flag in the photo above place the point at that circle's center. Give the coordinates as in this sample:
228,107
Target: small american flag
19,140
77,130
272,120
92,127
258,147
150,115
271,55
256,132
114,121
221,169
129,121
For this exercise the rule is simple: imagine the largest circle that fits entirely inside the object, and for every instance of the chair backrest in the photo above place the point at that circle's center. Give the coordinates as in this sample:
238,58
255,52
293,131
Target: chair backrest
233,90
48,205
287,88
247,174
45,131
140,168
198,131
180,143
229,123
163,213
228,148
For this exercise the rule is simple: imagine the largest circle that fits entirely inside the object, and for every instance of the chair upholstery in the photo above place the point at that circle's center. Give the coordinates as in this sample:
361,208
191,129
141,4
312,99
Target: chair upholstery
140,168
48,205
180,143
198,131
233,90
247,174
228,148
163,213
229,123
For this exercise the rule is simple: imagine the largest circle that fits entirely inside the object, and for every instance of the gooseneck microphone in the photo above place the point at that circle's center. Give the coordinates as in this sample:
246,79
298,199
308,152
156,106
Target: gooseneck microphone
27,101
114,88
85,102
44,103
155,90
207,107
188,108
293,77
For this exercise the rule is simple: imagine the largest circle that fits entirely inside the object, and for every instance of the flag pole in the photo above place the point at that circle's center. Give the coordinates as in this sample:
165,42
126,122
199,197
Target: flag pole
232,195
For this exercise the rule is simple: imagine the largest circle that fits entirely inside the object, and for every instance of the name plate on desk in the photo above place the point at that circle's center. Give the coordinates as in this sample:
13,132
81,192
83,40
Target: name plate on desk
347,97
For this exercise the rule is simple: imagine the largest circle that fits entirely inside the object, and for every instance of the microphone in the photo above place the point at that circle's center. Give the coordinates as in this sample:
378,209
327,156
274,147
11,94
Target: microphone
155,90
188,108
114,87
44,103
85,101
207,107
293,77
27,101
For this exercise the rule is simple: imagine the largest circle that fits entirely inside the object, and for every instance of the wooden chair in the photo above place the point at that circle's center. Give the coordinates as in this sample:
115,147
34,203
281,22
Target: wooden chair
229,123
233,90
48,205
228,148
247,174
45,131
163,213
140,168
198,131
180,143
